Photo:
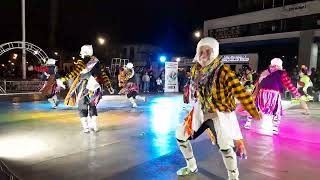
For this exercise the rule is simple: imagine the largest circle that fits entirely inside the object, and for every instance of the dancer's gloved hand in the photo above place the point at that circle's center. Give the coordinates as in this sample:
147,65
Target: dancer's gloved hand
240,149
93,58
60,84
111,91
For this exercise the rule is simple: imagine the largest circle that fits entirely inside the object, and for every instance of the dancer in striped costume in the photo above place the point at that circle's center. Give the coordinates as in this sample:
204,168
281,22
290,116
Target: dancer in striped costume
86,89
213,90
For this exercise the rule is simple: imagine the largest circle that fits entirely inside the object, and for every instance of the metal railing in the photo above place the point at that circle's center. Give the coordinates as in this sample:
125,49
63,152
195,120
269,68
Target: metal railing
5,173
116,63
7,87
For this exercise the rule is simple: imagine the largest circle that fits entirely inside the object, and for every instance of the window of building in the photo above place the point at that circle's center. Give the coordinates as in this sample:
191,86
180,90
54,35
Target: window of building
268,27
245,6
124,52
278,3
267,4
289,2
131,56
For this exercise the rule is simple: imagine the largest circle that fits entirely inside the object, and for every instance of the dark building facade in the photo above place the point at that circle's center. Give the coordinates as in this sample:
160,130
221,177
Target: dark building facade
290,32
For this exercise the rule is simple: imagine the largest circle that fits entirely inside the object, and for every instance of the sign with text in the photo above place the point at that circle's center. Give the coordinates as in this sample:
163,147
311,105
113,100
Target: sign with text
234,59
171,77
296,7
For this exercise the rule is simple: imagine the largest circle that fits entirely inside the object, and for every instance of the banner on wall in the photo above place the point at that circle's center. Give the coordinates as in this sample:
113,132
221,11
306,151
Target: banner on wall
231,59
171,77
238,60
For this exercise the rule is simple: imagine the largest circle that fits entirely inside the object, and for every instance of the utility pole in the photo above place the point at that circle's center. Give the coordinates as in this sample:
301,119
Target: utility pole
24,69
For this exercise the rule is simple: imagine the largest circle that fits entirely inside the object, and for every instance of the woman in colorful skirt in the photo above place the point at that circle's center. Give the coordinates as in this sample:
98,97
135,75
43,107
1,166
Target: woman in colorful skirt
270,85
128,88
50,88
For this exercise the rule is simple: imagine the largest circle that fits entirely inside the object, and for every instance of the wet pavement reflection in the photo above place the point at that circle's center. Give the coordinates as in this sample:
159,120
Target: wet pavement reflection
40,143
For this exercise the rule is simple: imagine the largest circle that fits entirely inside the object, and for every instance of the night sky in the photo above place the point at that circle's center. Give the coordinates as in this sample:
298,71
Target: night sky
165,23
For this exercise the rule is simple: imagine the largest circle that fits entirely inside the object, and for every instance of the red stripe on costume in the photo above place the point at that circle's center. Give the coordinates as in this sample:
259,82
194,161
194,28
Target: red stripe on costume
288,84
41,69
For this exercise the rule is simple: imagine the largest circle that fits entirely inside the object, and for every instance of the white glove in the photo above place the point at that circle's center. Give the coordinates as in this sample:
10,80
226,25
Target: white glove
60,84
46,74
305,89
111,91
84,71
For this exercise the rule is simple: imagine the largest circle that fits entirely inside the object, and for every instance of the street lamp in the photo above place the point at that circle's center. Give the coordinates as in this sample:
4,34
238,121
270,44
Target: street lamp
56,53
15,56
178,59
101,40
24,52
197,34
73,58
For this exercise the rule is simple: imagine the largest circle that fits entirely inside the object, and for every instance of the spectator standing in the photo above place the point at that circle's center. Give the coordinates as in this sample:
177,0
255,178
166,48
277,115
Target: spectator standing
146,82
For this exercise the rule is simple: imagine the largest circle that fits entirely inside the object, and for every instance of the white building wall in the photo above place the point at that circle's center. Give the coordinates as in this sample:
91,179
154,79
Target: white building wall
290,11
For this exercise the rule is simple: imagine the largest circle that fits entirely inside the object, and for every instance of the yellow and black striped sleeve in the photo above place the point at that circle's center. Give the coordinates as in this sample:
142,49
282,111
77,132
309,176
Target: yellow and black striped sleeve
80,65
193,71
129,74
239,91
106,80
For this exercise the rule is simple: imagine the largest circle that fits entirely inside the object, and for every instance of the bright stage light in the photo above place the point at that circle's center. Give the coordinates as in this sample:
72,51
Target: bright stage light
197,34
163,59
101,40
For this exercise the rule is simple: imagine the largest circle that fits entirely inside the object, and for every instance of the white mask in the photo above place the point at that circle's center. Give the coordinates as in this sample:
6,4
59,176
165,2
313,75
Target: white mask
209,43
206,56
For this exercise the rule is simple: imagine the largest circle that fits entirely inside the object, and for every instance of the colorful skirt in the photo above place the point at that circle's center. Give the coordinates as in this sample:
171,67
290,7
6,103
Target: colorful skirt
50,87
130,88
269,102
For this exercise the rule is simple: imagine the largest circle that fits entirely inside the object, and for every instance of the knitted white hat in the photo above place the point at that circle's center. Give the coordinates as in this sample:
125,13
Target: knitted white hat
276,62
129,66
211,42
86,50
